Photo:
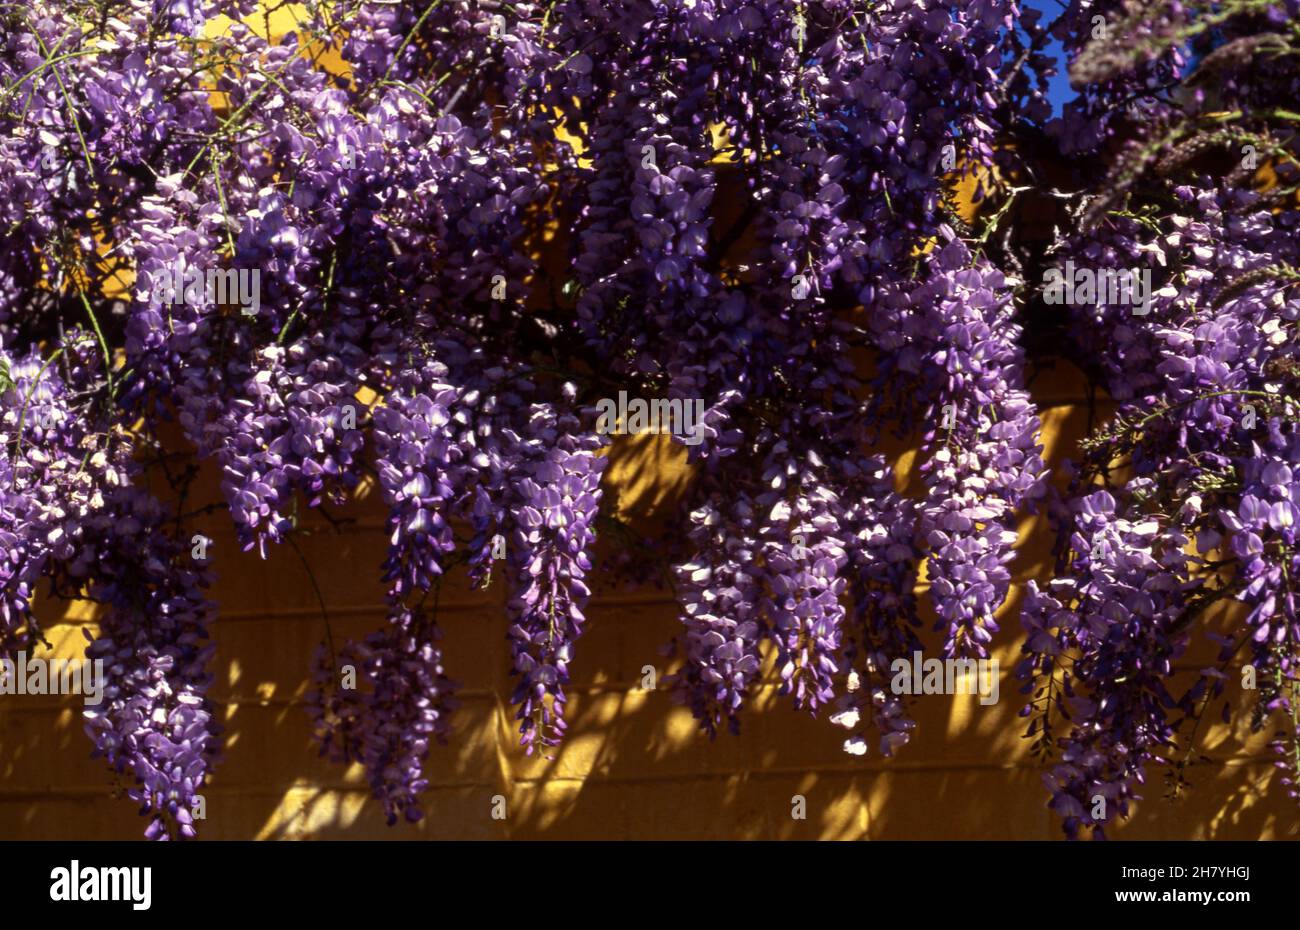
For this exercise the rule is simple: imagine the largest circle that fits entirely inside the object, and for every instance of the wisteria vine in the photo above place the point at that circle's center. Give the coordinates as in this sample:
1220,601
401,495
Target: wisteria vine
314,251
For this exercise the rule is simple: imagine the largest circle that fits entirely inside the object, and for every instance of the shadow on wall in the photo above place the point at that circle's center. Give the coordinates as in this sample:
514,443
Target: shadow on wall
634,764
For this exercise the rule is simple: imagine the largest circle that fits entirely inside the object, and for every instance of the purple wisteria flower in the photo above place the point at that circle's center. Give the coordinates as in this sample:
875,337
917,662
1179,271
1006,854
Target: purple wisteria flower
412,246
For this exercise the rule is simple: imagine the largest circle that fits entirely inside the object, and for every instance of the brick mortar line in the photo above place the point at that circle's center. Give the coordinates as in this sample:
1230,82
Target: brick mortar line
765,686
378,609
919,767
8,793
597,604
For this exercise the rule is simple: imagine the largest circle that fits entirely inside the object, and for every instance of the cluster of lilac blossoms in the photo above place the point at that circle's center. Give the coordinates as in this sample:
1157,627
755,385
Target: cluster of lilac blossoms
425,268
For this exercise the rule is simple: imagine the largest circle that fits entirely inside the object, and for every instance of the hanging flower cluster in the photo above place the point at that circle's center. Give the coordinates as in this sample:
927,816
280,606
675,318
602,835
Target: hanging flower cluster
315,254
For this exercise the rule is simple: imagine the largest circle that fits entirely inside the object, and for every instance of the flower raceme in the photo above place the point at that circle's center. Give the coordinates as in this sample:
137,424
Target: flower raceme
329,276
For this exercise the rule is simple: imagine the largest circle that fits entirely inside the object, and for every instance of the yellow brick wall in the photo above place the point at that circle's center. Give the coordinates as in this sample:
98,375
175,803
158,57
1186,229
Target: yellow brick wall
633,765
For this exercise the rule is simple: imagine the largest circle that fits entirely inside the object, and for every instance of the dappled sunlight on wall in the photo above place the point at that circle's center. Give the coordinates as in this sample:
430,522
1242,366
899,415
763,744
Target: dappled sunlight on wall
634,764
